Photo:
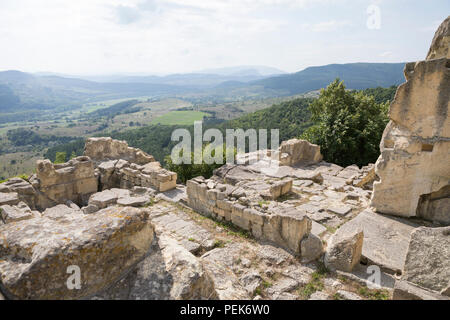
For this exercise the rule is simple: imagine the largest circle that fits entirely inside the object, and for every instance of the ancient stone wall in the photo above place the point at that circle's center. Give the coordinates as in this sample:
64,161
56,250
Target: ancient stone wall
58,183
104,148
78,179
238,195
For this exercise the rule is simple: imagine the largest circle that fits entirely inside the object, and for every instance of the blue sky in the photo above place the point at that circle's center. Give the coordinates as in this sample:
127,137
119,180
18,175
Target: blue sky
176,36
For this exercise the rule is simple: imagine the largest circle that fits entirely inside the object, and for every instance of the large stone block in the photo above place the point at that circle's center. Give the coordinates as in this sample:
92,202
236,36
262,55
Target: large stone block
300,151
386,239
428,259
35,255
345,249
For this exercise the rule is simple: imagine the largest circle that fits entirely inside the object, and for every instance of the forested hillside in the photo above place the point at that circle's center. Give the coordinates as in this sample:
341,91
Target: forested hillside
356,76
292,118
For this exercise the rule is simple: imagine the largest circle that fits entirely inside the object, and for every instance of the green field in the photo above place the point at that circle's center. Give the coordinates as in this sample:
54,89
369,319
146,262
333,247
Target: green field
180,118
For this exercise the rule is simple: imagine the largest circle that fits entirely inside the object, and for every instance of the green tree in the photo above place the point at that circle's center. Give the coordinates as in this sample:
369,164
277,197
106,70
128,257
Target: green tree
347,125
186,172
60,157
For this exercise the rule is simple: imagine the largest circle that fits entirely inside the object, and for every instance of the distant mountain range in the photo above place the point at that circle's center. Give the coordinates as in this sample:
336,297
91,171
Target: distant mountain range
21,91
355,75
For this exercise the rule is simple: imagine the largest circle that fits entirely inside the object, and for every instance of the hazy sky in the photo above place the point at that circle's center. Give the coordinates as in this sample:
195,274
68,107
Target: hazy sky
168,36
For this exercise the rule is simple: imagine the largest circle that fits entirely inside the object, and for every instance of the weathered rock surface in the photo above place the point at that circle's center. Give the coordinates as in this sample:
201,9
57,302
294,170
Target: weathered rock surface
35,254
169,272
299,151
60,211
319,295
15,213
126,175
218,263
345,249
9,198
428,259
24,190
386,239
441,42
311,248
413,167
346,295
173,221
404,290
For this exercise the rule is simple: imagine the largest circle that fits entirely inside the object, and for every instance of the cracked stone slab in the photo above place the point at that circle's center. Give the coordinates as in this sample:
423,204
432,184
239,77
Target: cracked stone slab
179,225
340,210
386,239
218,263
11,198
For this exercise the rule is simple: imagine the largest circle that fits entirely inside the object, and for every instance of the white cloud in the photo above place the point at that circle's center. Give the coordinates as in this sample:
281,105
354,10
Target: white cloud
108,36
331,25
386,54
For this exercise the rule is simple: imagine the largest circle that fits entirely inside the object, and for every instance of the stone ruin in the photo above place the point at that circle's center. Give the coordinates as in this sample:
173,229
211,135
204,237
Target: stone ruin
414,169
414,159
101,168
135,234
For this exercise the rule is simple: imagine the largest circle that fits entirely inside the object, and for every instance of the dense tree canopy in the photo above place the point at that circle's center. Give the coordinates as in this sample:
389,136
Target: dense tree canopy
348,125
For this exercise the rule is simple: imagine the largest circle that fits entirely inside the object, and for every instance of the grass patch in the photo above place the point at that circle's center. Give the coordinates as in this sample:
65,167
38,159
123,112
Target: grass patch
150,203
286,197
22,176
331,229
219,243
374,294
263,202
232,230
316,283
337,296
180,118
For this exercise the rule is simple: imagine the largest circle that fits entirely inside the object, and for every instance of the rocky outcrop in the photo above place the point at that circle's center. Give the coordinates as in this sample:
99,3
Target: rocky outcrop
413,167
102,149
440,46
35,254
